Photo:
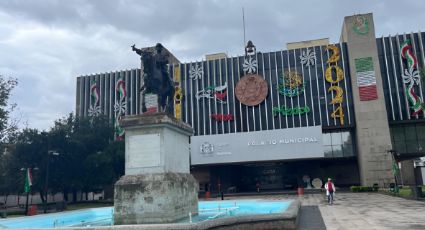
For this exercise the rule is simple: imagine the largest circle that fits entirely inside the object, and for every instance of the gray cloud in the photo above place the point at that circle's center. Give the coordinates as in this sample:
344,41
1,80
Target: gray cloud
47,44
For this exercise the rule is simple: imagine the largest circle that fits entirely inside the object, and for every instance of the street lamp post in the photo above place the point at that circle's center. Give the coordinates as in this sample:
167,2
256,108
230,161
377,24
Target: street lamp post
393,165
46,184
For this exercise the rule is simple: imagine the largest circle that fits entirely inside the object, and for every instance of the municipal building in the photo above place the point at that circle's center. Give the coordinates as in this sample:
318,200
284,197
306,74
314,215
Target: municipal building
351,110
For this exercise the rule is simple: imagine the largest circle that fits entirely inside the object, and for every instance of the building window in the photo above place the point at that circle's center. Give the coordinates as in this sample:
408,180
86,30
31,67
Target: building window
338,144
408,138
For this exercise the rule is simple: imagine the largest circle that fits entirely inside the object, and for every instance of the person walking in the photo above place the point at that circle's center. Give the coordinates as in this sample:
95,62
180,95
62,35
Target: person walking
257,186
330,191
220,191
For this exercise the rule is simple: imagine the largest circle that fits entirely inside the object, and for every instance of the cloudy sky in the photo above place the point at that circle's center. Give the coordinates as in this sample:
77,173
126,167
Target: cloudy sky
46,44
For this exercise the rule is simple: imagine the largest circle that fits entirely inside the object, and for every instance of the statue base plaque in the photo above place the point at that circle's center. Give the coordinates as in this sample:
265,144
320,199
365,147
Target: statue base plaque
157,186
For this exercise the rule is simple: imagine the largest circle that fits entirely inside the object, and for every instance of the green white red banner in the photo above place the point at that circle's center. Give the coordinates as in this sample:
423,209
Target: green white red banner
94,94
94,109
28,180
120,106
411,77
366,80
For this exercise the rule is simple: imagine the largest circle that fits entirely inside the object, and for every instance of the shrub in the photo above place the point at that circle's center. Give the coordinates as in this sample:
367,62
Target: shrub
363,189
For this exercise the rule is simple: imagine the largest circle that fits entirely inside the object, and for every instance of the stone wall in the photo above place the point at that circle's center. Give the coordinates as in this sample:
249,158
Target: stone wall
155,198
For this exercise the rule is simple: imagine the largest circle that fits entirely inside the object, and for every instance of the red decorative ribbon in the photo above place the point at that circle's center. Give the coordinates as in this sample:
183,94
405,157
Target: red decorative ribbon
222,117
220,96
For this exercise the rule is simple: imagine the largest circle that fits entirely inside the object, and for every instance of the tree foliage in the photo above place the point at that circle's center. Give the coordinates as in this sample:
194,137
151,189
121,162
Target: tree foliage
7,125
7,128
88,159
86,156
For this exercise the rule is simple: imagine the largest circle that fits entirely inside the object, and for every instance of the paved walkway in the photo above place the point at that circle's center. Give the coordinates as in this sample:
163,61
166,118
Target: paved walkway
310,218
372,211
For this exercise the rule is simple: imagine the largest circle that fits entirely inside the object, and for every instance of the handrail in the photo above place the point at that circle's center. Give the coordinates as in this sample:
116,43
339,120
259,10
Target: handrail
85,224
217,215
219,209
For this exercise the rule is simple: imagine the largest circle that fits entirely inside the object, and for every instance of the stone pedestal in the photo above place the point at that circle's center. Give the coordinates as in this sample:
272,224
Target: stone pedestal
157,186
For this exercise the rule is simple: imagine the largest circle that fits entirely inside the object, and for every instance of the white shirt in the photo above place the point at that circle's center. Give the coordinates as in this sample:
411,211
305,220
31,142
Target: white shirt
327,190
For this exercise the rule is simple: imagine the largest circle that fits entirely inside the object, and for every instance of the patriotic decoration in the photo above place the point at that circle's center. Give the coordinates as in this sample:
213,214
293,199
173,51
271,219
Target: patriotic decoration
411,77
94,109
196,72
218,93
308,58
333,67
28,180
361,25
284,111
395,169
178,93
223,117
119,132
120,106
178,98
250,65
292,84
366,80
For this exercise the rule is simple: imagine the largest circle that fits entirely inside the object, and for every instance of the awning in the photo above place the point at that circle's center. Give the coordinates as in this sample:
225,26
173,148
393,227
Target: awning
408,156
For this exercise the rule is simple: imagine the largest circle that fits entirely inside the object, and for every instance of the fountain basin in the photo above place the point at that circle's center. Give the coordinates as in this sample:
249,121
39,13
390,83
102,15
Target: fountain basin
228,214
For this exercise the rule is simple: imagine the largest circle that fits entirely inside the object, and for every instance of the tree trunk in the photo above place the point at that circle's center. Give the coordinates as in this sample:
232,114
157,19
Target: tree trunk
65,195
5,200
74,195
42,197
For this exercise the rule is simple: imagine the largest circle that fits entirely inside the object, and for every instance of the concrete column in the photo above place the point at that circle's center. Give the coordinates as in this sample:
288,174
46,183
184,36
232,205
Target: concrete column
372,129
78,97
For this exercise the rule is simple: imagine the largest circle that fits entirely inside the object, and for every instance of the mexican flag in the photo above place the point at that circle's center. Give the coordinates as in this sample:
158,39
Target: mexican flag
366,80
28,180
395,168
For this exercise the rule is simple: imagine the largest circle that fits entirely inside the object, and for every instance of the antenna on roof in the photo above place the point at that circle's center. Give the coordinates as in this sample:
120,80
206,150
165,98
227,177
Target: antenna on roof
243,20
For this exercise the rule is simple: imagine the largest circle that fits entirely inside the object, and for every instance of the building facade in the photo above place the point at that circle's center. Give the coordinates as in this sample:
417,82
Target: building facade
281,119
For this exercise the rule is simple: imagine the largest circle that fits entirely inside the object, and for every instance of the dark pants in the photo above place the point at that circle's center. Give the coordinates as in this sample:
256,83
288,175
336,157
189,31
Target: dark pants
331,197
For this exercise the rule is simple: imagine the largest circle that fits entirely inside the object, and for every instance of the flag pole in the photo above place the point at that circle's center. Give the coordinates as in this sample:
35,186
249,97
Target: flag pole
395,169
28,183
243,21
26,204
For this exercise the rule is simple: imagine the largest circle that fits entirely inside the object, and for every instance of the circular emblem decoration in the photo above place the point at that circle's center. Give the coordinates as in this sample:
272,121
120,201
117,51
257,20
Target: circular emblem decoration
361,25
251,89
207,148
317,183
293,84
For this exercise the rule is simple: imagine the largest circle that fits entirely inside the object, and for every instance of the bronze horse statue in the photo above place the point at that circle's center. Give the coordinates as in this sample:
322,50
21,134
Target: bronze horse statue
155,77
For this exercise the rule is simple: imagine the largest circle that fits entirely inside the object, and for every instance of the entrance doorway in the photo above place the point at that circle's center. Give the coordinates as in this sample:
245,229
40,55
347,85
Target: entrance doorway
276,176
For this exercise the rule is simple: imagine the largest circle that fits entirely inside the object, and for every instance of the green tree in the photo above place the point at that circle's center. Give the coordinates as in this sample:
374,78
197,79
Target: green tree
29,152
87,162
7,128
88,158
7,125
9,178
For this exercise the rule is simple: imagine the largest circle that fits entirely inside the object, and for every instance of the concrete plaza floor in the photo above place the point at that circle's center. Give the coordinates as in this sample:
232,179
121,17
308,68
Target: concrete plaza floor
357,211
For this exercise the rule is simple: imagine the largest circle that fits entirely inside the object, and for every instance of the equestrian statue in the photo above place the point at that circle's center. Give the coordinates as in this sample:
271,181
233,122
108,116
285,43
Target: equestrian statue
155,77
